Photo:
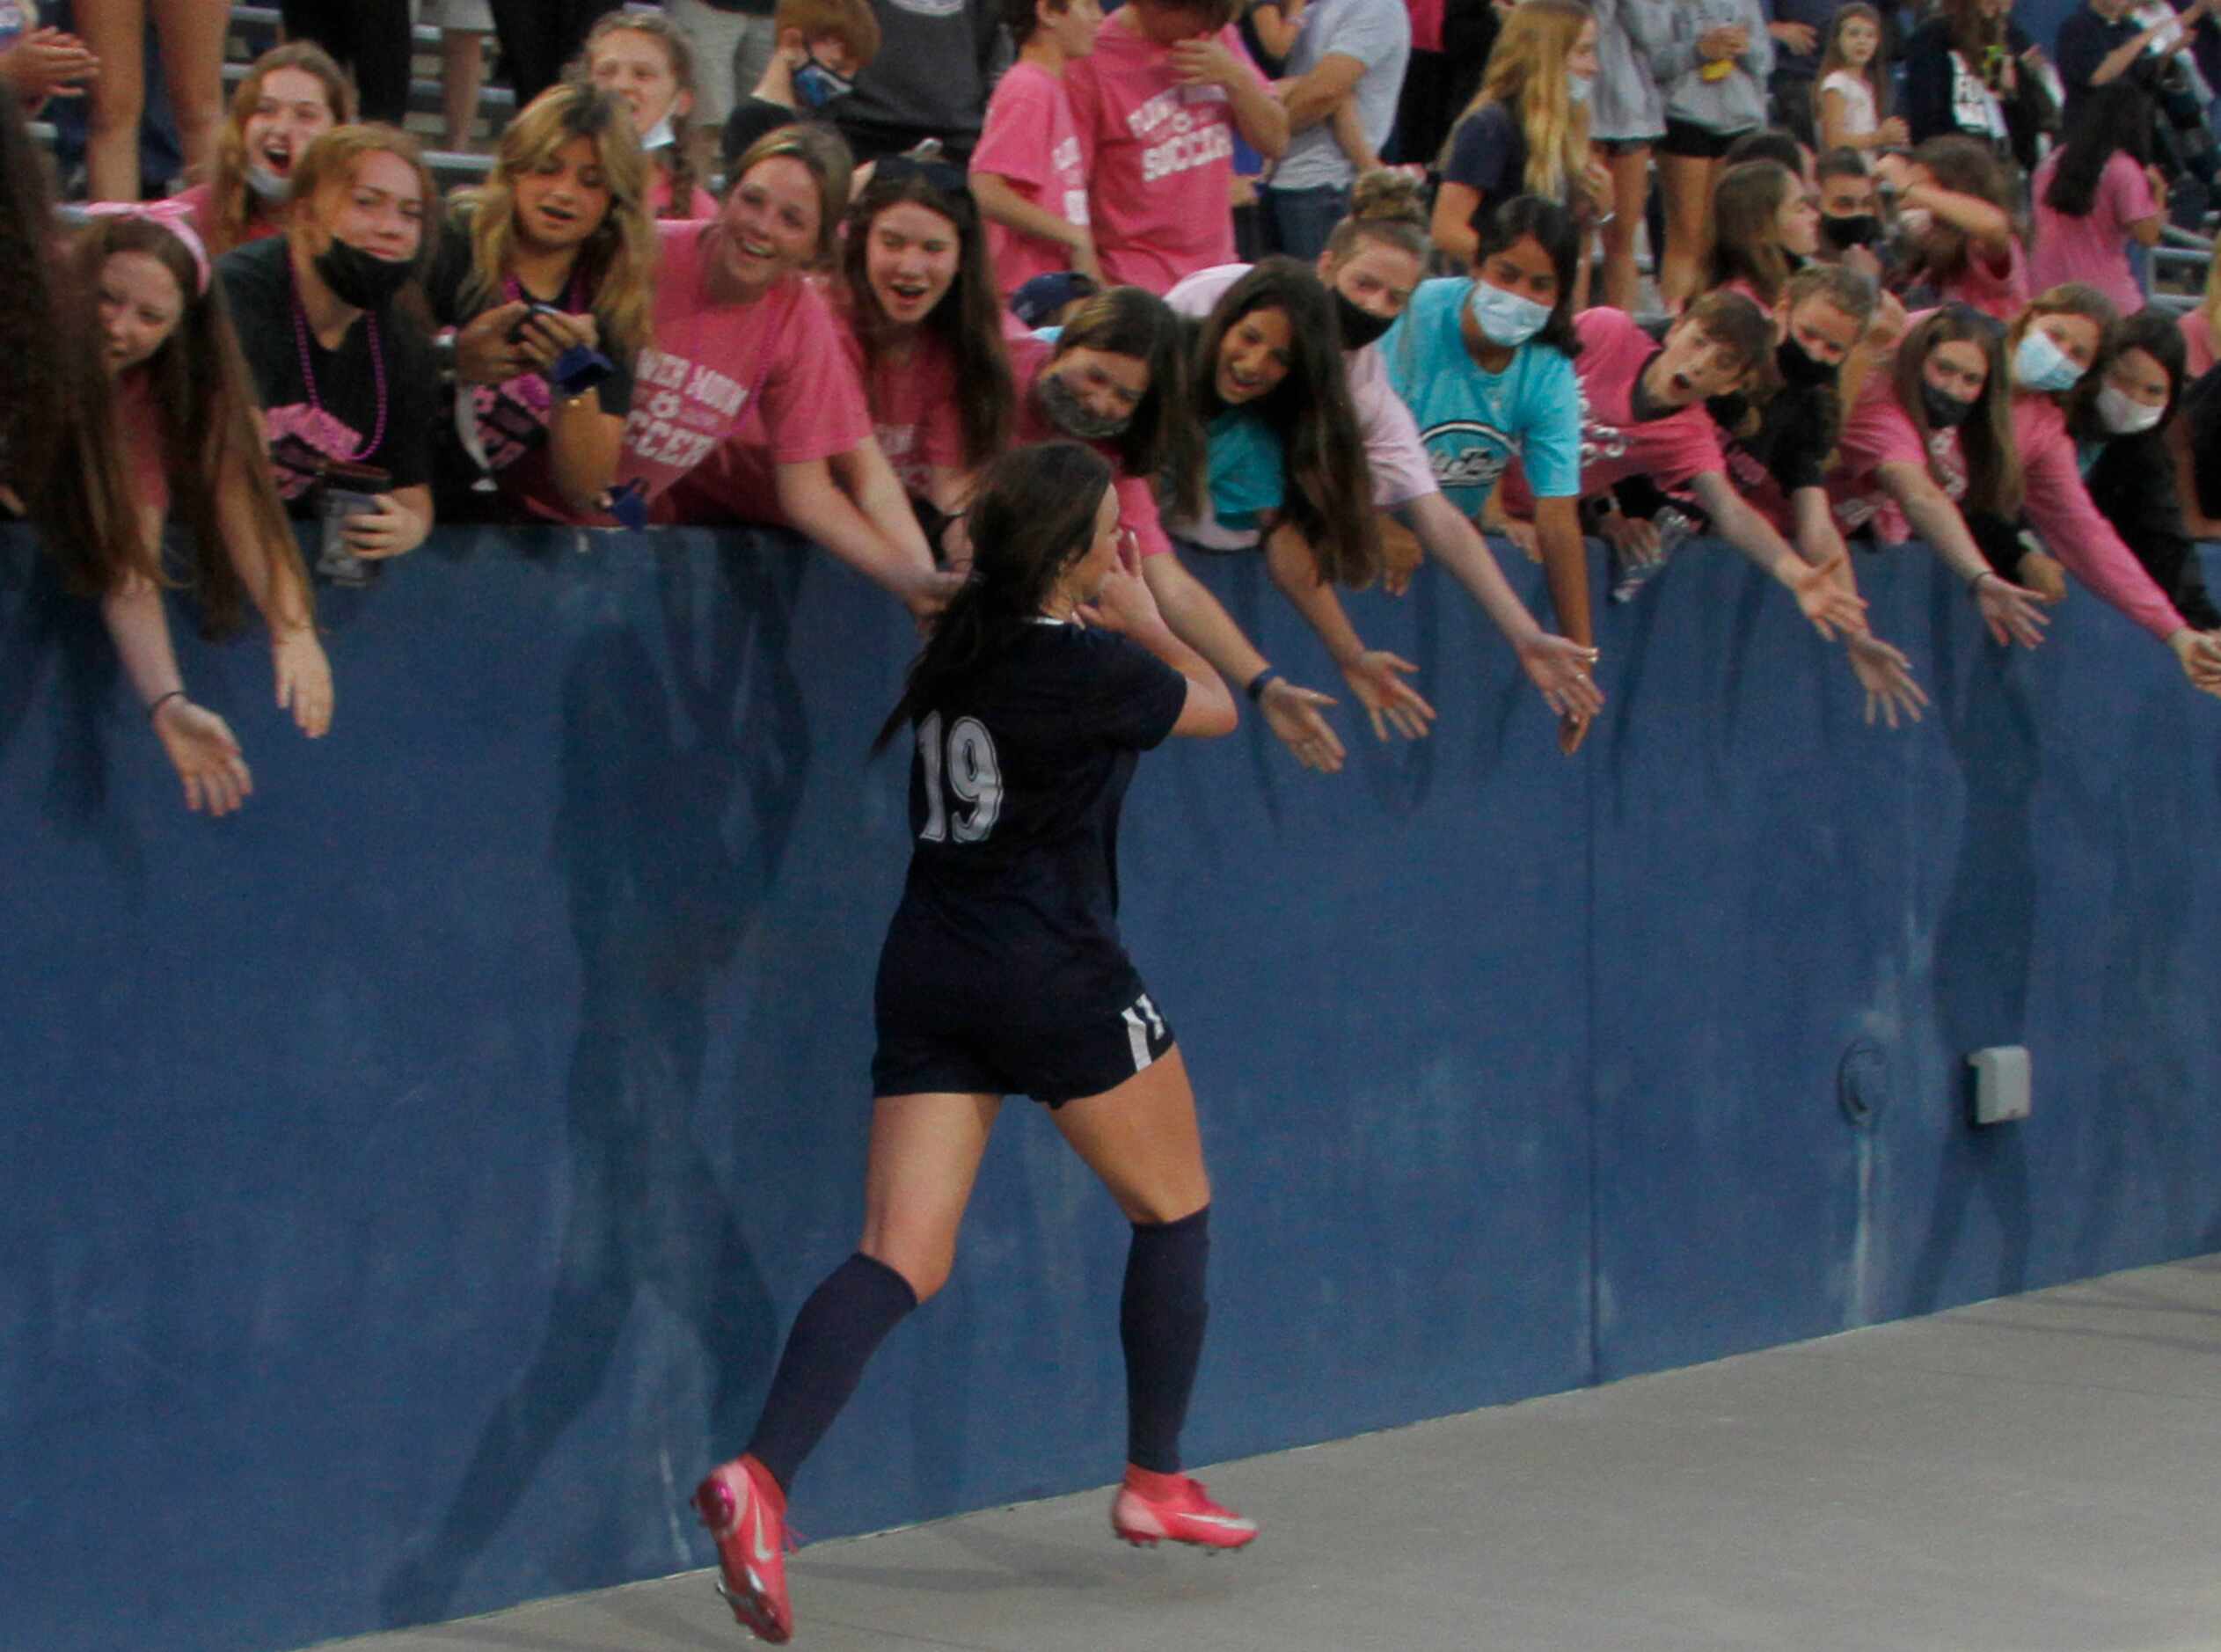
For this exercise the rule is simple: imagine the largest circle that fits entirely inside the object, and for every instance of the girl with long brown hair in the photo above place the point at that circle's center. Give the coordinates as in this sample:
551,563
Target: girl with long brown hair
291,96
554,254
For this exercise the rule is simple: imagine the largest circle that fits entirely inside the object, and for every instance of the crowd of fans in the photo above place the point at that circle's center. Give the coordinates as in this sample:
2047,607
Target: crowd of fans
1896,294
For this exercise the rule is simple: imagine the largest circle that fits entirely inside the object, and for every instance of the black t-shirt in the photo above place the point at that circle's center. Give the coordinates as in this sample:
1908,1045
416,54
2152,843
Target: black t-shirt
310,425
512,417
2132,485
751,118
1790,443
1489,155
1017,776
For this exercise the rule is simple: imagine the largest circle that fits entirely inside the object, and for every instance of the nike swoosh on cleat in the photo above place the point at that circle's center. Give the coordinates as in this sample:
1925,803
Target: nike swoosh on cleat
762,1551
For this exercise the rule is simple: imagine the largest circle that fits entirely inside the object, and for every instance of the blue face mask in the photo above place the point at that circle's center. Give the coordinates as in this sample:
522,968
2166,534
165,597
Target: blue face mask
2039,364
1505,319
817,85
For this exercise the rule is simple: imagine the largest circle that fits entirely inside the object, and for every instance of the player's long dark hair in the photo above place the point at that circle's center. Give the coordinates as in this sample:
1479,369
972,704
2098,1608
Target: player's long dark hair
1033,517
1328,496
2114,117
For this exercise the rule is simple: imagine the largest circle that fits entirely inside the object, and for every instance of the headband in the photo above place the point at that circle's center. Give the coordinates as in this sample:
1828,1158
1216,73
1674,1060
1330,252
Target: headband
173,216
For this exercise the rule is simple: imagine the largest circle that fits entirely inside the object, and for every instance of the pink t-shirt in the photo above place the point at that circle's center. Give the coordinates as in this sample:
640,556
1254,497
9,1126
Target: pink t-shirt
2093,248
2197,342
2000,292
1614,444
1158,155
1396,456
200,202
1137,498
2057,505
1876,431
1029,142
701,204
711,363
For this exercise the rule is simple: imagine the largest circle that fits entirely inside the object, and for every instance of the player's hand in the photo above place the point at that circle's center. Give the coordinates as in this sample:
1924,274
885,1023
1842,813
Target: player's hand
1296,715
2014,615
1887,676
482,353
1124,603
1375,677
1563,670
202,750
304,675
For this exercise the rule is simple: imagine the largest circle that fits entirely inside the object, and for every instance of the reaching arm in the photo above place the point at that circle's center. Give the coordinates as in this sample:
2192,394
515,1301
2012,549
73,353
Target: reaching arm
810,499
2013,614
1990,225
1197,619
279,585
870,480
199,744
1826,603
1372,673
583,445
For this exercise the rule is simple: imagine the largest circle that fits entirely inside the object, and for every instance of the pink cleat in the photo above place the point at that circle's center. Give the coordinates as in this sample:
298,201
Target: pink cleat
1171,1507
746,1512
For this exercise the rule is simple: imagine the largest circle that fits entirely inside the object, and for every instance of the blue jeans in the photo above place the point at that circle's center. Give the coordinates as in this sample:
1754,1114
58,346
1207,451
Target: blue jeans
1297,221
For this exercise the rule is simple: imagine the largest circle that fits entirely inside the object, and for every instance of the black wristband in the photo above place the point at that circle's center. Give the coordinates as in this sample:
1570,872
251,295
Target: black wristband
160,700
1259,683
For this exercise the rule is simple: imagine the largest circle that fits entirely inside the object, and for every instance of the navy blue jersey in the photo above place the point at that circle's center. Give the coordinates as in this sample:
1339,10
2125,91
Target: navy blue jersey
1017,775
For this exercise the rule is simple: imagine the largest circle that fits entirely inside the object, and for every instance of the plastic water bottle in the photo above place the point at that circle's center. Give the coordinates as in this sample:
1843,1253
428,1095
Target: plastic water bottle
1631,576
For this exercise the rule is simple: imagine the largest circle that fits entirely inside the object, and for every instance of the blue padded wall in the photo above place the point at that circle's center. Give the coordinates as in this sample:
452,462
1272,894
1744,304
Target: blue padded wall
403,1184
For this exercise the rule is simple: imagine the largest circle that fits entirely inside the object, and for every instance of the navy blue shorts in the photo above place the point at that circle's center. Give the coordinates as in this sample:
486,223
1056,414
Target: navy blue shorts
1069,1061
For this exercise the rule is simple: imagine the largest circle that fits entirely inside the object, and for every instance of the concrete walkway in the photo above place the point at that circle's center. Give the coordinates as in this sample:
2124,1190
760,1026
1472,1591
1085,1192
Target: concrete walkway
2043,1471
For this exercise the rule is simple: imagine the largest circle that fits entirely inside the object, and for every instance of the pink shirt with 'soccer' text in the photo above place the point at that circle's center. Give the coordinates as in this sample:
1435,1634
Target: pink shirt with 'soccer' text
2094,247
1029,142
710,363
1160,157
1614,444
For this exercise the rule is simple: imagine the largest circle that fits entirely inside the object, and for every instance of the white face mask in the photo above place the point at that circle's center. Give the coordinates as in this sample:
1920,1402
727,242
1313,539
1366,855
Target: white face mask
659,136
2123,414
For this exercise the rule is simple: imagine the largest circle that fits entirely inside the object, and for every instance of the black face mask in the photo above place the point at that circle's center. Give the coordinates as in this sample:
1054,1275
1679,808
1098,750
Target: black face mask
1943,411
1800,369
362,279
1861,230
1359,328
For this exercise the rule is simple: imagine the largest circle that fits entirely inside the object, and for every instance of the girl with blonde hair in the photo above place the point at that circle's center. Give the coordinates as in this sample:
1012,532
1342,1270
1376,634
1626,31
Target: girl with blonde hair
647,61
555,254
1526,132
290,97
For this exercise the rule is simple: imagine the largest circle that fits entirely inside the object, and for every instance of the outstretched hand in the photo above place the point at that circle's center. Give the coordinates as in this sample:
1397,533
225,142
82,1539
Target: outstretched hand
1296,715
1826,603
2013,614
203,750
304,675
1562,669
1391,702
1887,676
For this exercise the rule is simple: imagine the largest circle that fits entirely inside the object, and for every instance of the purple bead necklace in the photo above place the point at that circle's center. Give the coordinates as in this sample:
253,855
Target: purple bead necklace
308,373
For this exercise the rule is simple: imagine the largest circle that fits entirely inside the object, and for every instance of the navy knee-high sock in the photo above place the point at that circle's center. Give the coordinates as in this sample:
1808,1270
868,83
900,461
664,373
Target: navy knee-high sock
1161,1323
834,1338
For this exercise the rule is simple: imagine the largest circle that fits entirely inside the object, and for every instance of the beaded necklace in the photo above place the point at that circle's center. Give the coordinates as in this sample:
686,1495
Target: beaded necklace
308,372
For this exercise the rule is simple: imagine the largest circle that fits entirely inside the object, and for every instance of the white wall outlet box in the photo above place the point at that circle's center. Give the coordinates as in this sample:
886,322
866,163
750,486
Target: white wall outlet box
2000,1084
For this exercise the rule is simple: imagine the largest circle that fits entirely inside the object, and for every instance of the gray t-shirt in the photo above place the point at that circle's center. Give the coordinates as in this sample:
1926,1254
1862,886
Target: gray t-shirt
1376,34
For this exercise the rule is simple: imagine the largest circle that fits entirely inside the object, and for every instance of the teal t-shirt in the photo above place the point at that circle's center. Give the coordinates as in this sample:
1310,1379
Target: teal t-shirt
1248,471
1473,423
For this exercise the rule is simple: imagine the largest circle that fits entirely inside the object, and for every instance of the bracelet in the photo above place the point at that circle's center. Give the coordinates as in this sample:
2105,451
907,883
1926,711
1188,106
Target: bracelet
1975,584
1259,683
160,700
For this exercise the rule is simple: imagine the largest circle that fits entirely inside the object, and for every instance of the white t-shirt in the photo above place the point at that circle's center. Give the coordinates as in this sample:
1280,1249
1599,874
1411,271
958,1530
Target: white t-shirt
1857,100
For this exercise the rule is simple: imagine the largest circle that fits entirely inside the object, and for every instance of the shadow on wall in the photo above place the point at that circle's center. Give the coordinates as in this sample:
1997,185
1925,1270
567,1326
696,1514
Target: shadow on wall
668,854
